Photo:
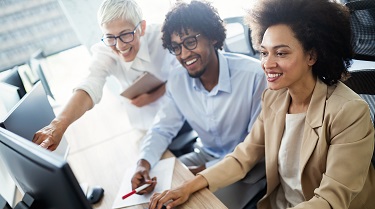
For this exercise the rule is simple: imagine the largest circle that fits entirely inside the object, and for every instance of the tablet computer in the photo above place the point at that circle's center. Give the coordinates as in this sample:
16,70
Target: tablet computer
143,84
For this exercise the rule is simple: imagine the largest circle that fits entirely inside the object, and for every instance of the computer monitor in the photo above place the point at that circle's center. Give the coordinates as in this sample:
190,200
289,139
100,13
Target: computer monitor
9,97
46,179
30,114
13,77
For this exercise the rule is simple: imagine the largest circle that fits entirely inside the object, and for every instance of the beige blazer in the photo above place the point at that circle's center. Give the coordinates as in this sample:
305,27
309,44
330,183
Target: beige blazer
335,159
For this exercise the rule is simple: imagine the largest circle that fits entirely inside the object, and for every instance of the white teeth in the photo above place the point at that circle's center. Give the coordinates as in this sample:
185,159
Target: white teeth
126,51
274,75
191,61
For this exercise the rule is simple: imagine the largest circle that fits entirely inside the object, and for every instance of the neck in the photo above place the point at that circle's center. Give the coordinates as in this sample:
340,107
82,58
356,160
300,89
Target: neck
210,78
300,99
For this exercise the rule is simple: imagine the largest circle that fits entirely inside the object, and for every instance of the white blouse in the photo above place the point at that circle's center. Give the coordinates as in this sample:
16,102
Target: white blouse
289,193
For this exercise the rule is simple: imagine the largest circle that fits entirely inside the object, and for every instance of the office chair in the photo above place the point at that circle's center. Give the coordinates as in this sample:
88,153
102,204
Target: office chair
238,43
184,141
13,78
363,83
362,17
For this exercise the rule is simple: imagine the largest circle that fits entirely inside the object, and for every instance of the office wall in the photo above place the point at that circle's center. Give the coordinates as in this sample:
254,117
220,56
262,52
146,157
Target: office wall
29,25
82,17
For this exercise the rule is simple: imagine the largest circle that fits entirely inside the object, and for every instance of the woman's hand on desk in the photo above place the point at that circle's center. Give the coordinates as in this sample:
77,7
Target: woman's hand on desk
142,176
50,136
174,197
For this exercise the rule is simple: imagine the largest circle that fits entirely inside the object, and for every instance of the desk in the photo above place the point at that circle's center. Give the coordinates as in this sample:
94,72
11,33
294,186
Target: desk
105,162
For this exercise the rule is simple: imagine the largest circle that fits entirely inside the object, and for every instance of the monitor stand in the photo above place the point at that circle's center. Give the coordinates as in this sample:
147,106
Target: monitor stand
26,203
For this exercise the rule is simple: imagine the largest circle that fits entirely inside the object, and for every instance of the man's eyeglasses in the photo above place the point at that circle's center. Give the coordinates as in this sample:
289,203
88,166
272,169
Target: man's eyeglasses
189,43
125,37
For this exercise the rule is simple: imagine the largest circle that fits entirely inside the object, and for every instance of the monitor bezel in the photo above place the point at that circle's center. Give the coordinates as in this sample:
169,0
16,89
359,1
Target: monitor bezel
19,154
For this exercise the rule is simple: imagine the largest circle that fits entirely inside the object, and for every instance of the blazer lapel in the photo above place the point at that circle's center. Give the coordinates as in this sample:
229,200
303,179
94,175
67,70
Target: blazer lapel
314,120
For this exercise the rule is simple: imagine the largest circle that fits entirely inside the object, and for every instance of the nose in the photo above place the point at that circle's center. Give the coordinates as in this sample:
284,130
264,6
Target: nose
184,52
268,62
119,44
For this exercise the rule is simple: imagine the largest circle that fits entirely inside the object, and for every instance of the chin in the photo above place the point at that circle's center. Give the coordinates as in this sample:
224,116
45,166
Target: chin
128,58
273,87
197,74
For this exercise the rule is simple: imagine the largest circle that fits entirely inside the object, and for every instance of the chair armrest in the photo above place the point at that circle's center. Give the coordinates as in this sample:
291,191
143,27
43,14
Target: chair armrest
182,140
257,173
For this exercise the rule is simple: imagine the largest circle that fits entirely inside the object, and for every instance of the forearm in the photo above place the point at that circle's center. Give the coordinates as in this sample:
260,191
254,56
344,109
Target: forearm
195,184
79,103
144,163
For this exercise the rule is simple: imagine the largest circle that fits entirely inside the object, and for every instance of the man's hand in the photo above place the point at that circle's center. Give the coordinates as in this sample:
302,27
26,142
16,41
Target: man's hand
141,177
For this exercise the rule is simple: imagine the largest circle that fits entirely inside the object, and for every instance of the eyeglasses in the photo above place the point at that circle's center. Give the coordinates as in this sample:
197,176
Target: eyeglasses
125,37
189,43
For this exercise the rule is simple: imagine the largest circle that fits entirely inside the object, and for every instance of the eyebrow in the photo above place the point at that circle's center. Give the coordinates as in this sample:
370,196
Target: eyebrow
277,46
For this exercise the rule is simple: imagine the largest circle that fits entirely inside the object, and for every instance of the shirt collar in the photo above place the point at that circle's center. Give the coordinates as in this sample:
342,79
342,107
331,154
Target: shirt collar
143,52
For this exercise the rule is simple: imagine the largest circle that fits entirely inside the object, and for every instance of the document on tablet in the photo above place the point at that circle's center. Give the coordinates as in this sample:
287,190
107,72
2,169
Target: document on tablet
143,84
163,171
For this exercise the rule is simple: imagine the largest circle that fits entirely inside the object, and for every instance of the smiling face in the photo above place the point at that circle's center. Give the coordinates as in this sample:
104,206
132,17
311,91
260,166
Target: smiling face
198,60
127,51
284,60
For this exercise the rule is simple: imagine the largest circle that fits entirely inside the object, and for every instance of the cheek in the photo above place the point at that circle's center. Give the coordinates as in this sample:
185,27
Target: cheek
114,49
262,64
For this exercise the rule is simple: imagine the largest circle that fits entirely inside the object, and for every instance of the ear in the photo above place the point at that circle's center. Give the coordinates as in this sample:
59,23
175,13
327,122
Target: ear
213,42
143,27
312,57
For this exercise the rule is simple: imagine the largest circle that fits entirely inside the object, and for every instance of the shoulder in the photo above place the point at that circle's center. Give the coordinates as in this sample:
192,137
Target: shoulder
153,33
343,97
100,48
103,54
269,96
177,74
239,63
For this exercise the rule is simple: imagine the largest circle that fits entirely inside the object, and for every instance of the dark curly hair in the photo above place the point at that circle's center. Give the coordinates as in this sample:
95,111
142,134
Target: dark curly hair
199,16
320,25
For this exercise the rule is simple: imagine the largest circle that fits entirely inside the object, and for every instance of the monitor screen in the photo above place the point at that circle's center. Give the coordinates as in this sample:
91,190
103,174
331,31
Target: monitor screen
30,114
14,79
42,175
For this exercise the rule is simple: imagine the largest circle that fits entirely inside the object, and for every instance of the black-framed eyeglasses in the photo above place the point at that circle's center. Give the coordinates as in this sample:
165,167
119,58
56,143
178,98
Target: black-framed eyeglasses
124,37
189,43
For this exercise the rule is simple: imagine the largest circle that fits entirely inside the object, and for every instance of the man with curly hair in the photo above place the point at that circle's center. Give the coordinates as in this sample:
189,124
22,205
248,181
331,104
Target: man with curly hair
217,93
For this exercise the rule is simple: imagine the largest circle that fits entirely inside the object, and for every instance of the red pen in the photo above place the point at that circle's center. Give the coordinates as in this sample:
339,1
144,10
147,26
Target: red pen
144,186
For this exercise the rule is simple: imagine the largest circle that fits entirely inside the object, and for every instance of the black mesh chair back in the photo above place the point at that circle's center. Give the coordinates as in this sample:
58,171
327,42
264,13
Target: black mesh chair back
363,83
363,27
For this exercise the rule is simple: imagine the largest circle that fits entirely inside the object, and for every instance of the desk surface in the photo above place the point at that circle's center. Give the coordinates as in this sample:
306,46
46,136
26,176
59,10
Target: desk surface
98,160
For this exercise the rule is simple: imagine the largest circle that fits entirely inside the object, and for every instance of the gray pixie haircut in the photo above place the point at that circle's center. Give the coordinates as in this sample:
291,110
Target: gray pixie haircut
127,10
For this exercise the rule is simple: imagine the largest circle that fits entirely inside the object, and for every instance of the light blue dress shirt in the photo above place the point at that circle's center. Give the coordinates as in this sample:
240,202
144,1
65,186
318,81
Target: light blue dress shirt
222,117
